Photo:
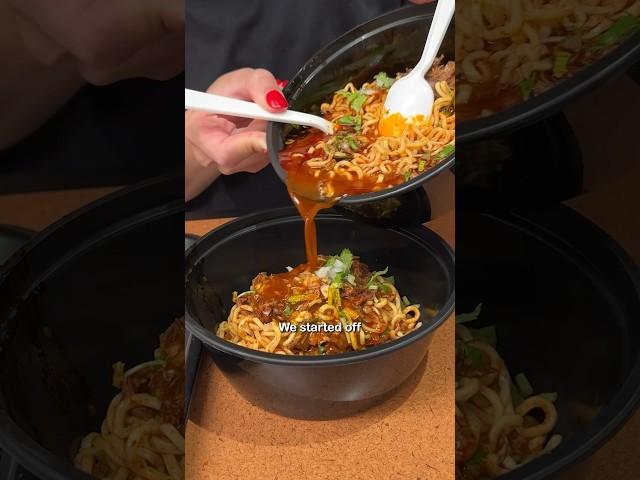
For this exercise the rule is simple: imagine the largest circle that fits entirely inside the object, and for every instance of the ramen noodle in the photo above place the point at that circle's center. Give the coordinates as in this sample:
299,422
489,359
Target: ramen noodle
142,436
339,307
499,425
369,150
511,50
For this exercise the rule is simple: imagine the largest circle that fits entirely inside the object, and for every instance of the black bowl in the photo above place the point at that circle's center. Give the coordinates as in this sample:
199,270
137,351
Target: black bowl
229,257
97,287
391,43
565,300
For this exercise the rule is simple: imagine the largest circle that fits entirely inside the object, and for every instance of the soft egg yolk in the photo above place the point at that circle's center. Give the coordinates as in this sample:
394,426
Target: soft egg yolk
393,125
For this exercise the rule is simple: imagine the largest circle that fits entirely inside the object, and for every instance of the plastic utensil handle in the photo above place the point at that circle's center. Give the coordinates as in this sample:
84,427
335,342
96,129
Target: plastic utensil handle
211,103
441,19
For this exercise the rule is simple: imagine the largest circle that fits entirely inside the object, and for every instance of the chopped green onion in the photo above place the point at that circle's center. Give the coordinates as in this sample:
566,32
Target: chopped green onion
345,320
407,175
383,80
372,281
516,396
358,123
469,317
321,349
358,101
333,296
445,152
352,143
337,279
346,257
347,120
526,86
624,26
287,310
523,385
355,99
560,63
421,165
474,355
405,301
350,120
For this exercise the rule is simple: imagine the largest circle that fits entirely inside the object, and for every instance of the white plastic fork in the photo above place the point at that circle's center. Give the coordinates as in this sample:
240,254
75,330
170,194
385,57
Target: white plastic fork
211,103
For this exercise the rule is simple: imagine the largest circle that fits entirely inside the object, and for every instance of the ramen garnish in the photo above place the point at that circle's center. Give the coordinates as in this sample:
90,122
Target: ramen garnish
339,307
511,50
142,436
364,155
500,425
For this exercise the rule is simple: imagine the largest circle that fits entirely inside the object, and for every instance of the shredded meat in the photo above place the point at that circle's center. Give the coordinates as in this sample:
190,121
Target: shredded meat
166,383
439,73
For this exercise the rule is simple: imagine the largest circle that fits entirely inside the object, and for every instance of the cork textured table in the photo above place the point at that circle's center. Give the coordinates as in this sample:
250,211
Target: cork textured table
410,435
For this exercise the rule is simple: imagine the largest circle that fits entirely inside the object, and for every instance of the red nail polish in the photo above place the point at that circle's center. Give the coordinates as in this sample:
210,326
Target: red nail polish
282,83
276,100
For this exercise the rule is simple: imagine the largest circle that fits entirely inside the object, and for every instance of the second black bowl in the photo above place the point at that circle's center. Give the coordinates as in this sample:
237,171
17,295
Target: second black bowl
228,258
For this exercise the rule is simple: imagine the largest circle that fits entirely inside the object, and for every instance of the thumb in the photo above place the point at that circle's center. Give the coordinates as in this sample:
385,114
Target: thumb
239,152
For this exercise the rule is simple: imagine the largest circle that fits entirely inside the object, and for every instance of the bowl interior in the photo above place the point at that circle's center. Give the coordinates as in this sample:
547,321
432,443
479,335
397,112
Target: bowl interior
107,300
566,313
390,43
229,258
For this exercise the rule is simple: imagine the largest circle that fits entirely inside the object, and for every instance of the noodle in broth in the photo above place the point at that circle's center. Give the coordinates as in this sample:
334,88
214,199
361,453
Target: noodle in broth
499,425
511,50
142,436
339,307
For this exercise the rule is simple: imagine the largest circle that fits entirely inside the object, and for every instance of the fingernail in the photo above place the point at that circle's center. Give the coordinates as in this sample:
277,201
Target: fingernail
282,83
276,100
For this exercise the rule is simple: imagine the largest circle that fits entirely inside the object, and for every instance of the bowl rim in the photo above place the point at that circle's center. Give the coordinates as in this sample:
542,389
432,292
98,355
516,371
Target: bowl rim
381,23
252,222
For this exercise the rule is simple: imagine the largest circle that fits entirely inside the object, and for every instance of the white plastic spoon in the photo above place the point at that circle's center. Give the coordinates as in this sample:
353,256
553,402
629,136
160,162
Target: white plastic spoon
211,103
412,95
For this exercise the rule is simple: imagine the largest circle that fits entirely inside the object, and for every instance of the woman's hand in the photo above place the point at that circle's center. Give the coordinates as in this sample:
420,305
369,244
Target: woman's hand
216,144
